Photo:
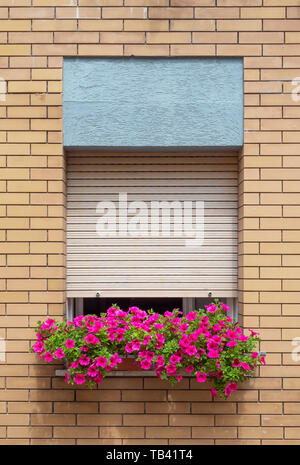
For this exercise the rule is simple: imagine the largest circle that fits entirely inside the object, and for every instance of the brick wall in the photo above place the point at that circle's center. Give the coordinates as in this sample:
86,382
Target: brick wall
34,35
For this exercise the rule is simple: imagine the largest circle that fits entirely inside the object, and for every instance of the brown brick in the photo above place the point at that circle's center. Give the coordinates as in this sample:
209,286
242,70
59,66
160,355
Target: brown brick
169,432
124,13
146,25
121,432
170,13
192,25
216,432
239,25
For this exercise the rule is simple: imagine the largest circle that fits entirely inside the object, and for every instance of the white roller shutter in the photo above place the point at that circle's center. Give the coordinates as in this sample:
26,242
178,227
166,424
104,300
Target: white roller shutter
151,266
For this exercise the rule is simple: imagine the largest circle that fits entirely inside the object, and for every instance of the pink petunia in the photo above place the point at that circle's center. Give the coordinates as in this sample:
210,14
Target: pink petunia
84,360
214,392
171,369
48,356
233,386
70,343
92,371
91,339
134,309
201,377
190,369
213,354
191,316
175,358
101,362
59,353
38,347
225,307
216,328
145,364
231,343
191,350
160,361
236,363
211,308
245,366
79,378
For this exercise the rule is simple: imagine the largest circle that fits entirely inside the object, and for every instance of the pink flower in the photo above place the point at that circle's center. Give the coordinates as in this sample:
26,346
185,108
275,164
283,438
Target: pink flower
79,378
145,364
231,343
229,388
212,345
245,366
227,391
84,360
191,316
201,377
48,356
98,379
175,358
253,332
38,347
243,338
254,354
101,362
216,328
190,368
158,325
134,309
233,386
263,361
160,361
191,350
217,339
236,363
214,392
92,371
146,340
211,308
59,353
91,339
213,354
136,344
115,359
171,369
179,377
160,338
184,327
70,343
67,378
225,307
168,314
128,347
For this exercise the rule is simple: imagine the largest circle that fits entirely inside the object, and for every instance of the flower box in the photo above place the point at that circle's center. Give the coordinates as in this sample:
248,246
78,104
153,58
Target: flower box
206,344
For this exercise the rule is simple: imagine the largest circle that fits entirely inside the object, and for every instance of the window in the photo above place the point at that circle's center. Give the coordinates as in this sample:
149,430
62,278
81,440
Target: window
95,306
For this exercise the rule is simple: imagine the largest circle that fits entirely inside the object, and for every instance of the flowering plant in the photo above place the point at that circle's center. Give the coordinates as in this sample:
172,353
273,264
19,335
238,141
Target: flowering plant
206,344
